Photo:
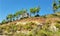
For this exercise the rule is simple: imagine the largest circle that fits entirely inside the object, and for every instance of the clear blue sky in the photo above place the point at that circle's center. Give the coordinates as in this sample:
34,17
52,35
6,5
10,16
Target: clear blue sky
11,6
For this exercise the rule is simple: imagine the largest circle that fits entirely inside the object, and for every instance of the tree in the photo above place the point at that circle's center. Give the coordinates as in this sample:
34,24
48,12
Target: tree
32,10
4,21
16,15
22,13
9,17
13,17
54,6
59,3
37,9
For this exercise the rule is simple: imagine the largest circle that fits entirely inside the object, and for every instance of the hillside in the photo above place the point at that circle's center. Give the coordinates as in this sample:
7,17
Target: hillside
33,26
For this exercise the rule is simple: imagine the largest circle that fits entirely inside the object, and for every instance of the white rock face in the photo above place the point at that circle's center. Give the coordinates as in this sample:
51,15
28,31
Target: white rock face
23,23
3,35
25,32
17,31
53,28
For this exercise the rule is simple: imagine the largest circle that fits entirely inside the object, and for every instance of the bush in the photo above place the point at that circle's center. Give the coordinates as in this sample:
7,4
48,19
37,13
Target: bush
4,21
58,26
57,21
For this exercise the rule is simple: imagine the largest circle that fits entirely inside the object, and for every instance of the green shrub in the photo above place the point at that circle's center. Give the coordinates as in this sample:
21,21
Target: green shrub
58,26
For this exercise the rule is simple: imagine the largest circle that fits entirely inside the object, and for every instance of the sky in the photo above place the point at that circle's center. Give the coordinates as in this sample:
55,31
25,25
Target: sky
12,6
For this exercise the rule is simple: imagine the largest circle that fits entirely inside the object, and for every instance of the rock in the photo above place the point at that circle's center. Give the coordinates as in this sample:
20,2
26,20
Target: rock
53,28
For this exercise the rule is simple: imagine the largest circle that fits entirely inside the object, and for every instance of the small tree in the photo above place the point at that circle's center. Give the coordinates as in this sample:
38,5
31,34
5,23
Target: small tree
37,9
16,15
59,3
9,17
22,13
4,21
54,6
33,11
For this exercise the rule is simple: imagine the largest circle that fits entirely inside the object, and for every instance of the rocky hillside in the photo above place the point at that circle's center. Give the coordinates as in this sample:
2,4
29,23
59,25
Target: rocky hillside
33,26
